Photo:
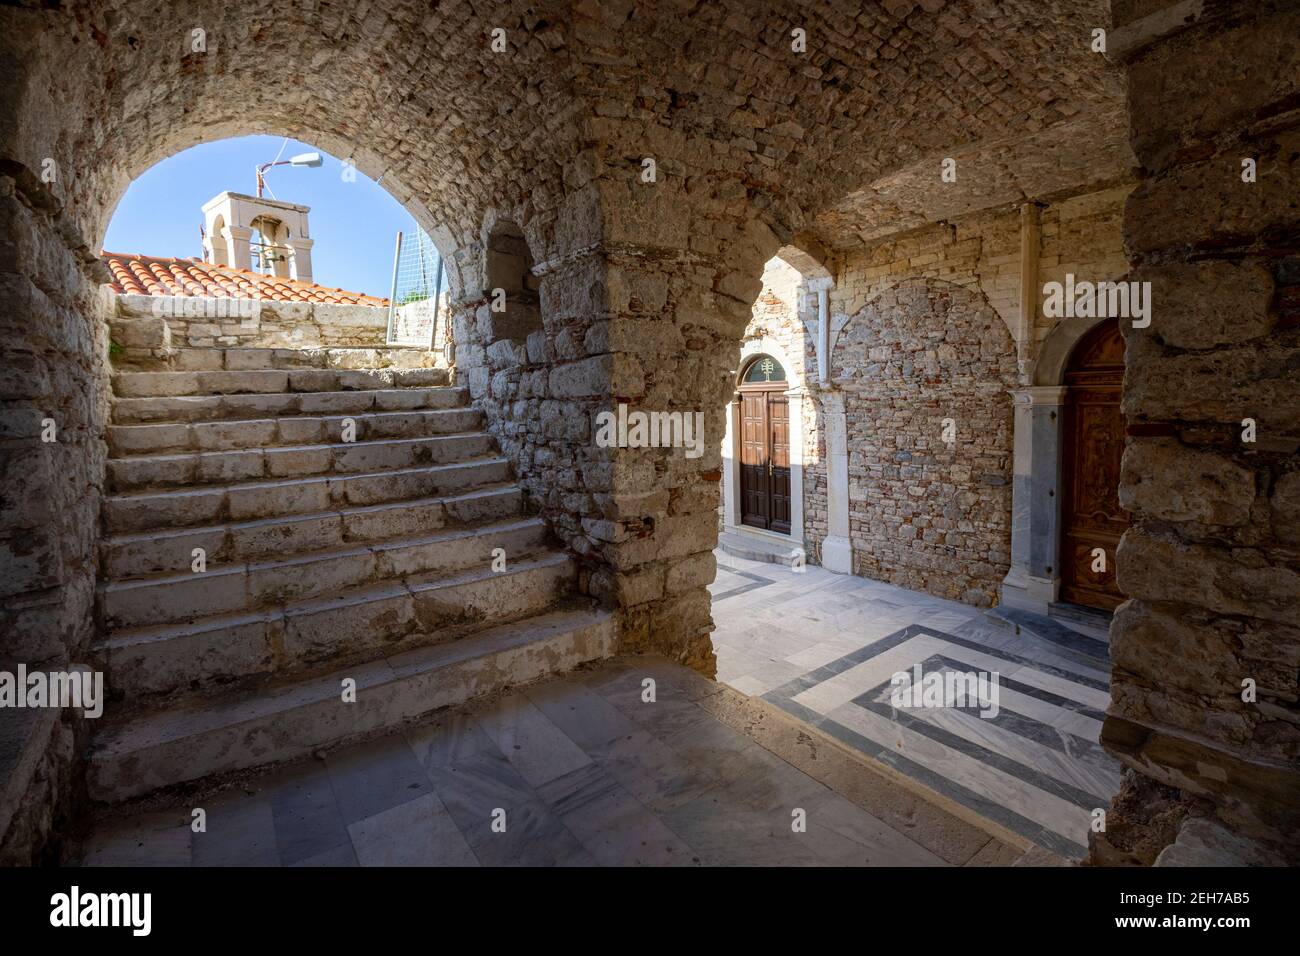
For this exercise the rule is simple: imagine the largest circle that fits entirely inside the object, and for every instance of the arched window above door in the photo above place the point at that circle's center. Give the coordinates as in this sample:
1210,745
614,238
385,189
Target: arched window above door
763,369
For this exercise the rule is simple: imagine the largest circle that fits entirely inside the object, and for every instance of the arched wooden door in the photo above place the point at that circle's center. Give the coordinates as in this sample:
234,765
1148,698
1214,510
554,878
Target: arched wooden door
764,427
1091,517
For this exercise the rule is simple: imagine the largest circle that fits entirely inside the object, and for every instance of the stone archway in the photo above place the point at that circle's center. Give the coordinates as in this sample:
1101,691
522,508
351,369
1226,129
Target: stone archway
647,284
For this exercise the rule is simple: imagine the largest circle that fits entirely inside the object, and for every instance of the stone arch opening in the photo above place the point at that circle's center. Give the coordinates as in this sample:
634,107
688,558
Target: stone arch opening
511,289
1055,352
228,294
82,136
784,324
216,241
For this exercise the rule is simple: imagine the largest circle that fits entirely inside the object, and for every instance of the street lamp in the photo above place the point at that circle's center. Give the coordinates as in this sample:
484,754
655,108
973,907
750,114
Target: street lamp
302,159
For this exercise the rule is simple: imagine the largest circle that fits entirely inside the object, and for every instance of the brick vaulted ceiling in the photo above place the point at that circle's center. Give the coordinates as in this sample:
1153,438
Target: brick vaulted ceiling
842,142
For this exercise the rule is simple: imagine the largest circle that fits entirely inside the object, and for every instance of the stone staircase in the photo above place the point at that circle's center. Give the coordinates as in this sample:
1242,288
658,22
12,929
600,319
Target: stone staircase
347,519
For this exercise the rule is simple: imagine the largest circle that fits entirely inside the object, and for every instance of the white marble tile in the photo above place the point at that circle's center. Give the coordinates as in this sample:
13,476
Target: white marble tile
814,656
1053,763
152,839
538,749
419,832
877,670
746,685
1090,696
843,834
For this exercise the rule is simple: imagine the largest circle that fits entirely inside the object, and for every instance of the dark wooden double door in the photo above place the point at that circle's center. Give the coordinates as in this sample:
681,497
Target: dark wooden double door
1091,516
764,458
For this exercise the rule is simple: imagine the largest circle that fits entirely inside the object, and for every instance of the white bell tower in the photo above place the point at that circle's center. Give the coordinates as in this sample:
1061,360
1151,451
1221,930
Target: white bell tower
283,243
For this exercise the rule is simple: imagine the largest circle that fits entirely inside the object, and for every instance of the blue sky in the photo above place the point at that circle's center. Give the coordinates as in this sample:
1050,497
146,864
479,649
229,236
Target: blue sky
354,223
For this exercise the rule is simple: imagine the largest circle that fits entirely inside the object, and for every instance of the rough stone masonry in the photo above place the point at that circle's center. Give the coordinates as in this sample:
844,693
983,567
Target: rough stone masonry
531,157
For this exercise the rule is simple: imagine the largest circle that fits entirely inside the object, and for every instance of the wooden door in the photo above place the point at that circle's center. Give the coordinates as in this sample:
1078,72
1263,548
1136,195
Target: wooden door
1093,434
764,424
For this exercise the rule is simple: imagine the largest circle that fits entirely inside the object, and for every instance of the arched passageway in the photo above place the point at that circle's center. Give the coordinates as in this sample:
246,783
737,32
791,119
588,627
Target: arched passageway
651,179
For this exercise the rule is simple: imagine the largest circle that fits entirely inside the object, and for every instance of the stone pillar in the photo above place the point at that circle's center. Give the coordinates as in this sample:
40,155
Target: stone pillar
837,549
300,258
645,293
730,469
1030,291
239,253
1207,647
1034,578
795,398
823,289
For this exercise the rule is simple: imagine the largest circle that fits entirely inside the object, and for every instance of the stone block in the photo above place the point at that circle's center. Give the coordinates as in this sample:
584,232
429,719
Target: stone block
1156,567
1163,479
143,333
695,571
1226,385
1200,305
1285,507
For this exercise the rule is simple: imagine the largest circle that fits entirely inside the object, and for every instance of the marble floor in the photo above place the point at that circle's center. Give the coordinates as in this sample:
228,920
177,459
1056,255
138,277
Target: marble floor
580,769
823,647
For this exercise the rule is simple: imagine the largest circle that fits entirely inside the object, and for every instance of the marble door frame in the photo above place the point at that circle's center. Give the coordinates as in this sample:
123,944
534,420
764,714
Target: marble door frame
1034,579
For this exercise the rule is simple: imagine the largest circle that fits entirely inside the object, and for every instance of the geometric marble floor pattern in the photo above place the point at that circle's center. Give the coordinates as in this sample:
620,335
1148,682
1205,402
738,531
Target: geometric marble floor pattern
823,647
583,771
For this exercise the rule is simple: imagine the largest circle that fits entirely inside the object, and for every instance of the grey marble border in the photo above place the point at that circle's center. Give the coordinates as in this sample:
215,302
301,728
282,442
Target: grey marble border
784,695
759,582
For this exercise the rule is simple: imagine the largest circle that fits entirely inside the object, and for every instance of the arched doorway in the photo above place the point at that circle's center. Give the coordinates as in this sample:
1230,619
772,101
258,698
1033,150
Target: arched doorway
764,412
1092,520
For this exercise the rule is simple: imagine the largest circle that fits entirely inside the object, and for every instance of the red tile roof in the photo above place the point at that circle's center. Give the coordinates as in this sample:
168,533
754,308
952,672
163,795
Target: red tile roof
153,275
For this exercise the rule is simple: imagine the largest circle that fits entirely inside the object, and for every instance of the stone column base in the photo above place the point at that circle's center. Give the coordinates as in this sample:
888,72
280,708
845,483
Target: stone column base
837,554
1027,592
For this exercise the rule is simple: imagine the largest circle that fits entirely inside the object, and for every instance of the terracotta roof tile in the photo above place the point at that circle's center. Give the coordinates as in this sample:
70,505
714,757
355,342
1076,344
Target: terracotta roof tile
154,275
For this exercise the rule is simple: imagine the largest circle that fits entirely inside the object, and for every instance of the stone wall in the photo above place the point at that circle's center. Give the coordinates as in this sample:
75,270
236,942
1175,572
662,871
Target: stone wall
1211,563
52,386
1082,235
926,513
256,323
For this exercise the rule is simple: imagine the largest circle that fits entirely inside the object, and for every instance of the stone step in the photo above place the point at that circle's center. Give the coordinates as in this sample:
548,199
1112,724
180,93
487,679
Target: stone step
1091,621
263,381
152,552
292,461
246,501
253,359
241,588
1054,636
749,547
295,719
207,408
230,435
357,624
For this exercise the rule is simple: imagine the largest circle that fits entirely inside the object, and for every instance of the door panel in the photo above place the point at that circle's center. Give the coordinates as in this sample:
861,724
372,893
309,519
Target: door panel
778,413
1094,444
754,508
765,459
